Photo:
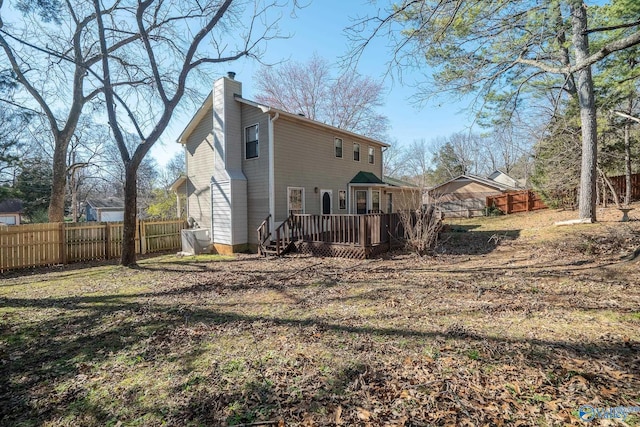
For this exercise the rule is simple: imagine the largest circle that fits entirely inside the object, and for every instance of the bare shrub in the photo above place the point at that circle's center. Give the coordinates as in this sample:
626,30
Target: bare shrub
421,229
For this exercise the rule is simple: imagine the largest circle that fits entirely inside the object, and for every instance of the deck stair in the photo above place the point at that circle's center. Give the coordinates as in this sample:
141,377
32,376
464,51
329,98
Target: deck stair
275,249
279,242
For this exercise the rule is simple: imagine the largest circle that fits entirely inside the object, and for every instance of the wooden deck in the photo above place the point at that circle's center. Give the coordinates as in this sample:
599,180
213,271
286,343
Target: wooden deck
347,236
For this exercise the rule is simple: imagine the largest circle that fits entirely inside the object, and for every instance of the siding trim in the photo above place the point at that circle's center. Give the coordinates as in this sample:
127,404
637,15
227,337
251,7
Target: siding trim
272,172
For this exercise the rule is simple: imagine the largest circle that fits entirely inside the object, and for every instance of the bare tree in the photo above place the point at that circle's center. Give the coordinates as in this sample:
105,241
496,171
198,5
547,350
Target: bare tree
164,55
51,52
348,101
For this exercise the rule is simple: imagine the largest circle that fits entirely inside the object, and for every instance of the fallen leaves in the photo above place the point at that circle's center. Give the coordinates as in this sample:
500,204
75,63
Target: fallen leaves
519,336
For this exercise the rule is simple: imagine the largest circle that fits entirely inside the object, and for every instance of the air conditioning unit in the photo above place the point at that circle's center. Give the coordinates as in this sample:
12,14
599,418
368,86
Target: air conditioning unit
196,241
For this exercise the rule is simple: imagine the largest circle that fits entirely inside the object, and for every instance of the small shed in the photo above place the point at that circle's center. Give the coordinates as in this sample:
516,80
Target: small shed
11,211
465,195
105,210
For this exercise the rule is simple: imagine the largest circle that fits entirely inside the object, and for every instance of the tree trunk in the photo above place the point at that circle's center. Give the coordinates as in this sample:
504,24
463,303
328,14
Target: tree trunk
59,184
588,175
128,257
627,157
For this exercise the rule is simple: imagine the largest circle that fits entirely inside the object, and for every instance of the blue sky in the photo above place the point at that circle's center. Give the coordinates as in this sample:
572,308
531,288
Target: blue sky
319,27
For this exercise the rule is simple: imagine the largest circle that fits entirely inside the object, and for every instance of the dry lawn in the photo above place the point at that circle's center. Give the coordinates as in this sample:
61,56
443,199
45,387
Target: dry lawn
514,322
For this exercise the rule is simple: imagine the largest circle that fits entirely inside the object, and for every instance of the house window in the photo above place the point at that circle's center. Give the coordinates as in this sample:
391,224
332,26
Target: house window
371,155
251,142
356,151
337,143
390,203
375,202
361,202
295,200
342,198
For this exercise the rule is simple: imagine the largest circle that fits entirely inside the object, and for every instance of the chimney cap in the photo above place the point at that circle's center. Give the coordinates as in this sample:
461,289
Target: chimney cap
231,75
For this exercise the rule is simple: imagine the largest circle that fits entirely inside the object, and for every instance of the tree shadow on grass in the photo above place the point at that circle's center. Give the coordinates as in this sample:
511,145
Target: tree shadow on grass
74,336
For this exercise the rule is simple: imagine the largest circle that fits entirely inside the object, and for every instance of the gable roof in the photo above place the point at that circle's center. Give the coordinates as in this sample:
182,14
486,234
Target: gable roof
208,105
484,181
11,206
112,203
175,186
397,182
363,177
305,120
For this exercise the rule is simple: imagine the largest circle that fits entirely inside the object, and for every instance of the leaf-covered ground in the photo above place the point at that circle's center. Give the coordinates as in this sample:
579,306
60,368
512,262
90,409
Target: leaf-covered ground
514,322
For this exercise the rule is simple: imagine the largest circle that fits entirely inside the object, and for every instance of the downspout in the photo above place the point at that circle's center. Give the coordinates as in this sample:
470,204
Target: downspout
272,173
213,129
186,186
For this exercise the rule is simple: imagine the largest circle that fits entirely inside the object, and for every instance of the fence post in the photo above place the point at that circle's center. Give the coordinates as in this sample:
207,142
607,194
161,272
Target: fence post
107,241
143,237
63,244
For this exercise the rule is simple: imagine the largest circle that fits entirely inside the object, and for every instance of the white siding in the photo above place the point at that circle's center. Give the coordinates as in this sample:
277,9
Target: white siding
199,159
221,205
111,216
228,184
9,219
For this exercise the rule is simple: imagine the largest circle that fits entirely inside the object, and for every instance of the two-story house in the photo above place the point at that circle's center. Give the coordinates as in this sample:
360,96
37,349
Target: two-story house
246,161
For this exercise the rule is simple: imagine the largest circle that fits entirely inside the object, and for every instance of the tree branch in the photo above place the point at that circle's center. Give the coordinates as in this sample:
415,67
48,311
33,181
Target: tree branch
27,84
625,115
613,27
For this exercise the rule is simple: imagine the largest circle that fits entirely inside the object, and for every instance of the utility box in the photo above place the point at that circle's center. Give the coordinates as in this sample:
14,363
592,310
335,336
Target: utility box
196,241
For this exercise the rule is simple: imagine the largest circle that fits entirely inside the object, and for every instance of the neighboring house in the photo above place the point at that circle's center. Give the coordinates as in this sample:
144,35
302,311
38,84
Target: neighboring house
104,210
10,211
466,195
503,178
246,162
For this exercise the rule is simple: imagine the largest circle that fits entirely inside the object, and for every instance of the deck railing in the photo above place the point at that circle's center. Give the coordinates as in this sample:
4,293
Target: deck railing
264,234
366,230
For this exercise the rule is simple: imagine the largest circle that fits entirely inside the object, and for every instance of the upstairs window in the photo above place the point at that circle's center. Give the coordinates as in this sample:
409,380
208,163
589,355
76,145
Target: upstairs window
251,142
337,143
356,151
371,155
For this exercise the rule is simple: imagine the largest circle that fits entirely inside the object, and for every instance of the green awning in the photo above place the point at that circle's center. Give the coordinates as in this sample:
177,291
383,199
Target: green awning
366,178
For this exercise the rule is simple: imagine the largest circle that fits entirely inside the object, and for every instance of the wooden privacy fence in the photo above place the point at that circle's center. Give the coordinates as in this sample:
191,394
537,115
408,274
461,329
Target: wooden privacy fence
620,185
63,243
520,201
